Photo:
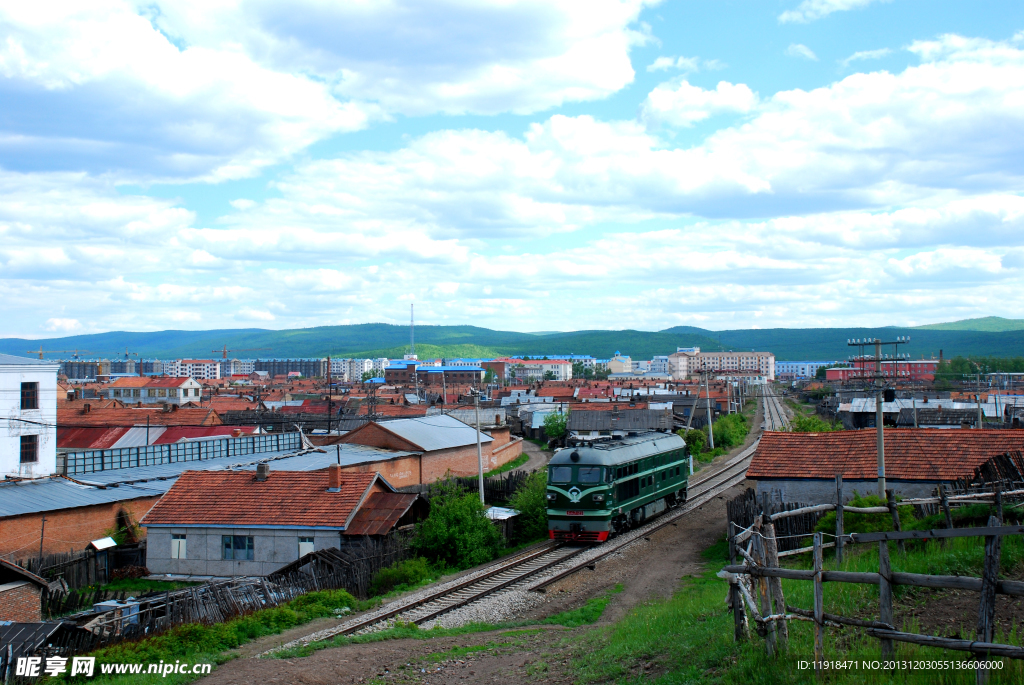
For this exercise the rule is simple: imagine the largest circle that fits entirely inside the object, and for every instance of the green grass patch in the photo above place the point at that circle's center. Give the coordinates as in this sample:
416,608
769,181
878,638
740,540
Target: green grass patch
514,464
199,643
586,614
689,637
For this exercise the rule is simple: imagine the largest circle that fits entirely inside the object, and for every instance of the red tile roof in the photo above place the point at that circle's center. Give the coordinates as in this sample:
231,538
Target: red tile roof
929,454
285,498
380,513
71,417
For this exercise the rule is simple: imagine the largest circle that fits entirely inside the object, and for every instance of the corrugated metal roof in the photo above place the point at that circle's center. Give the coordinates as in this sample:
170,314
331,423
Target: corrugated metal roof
435,432
623,419
859,405
50,494
615,452
25,361
380,513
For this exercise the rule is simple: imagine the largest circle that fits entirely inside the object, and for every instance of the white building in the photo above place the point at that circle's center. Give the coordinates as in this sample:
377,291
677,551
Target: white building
357,367
794,370
620,363
379,364
690,361
193,368
530,370
641,366
170,390
659,364
28,403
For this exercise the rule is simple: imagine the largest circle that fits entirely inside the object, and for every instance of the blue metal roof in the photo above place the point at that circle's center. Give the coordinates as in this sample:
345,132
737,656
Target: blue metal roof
10,359
51,494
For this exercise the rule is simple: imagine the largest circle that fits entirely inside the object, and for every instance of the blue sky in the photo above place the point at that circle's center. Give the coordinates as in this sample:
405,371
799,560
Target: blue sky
535,165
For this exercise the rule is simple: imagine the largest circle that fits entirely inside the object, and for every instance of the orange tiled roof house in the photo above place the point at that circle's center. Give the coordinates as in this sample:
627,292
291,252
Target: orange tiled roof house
803,466
235,523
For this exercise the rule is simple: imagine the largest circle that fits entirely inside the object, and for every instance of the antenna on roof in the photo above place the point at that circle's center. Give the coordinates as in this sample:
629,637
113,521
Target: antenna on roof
412,330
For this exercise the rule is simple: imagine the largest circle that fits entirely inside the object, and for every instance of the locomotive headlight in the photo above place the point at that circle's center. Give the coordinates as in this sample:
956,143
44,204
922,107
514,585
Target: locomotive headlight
598,498
552,497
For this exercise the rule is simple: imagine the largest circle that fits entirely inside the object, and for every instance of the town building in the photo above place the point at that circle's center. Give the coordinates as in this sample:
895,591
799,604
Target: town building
690,361
594,425
411,372
83,370
239,523
791,371
151,367
620,363
21,595
28,405
802,467
193,368
155,390
533,370
307,368
122,367
906,370
659,365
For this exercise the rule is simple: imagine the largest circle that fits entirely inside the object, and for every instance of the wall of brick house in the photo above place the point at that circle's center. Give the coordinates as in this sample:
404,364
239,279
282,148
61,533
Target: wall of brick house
66,529
372,435
462,461
398,472
21,604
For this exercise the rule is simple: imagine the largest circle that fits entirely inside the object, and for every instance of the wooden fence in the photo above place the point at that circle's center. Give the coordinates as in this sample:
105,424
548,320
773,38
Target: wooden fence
87,567
497,489
744,509
756,584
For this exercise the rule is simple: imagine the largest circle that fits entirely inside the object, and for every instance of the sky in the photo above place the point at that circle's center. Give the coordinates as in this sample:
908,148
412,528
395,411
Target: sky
533,165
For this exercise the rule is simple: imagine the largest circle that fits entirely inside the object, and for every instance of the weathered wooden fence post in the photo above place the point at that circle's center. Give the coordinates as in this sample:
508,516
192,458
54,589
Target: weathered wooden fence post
839,518
771,558
890,501
757,550
885,594
944,500
819,607
989,579
738,618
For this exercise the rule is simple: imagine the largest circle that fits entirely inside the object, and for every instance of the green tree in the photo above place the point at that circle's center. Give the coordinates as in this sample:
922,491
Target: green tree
555,424
456,534
695,440
531,502
367,375
549,375
489,376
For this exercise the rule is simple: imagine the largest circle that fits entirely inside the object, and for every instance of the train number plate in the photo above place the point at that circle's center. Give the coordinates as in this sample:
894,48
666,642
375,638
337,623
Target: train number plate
574,513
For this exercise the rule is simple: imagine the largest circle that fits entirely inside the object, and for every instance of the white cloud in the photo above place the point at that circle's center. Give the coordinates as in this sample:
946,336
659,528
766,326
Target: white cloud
243,204
866,54
682,104
686,64
801,50
63,325
810,10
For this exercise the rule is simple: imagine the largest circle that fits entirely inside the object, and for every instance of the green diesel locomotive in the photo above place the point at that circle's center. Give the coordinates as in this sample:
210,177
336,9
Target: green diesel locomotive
599,489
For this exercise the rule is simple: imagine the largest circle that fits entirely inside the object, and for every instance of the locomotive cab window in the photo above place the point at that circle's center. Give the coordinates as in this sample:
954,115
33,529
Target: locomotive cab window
589,474
561,474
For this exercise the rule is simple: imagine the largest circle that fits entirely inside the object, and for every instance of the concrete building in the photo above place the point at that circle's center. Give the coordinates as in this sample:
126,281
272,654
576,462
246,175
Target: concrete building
532,370
28,403
307,368
659,365
620,363
791,371
123,366
236,523
909,369
193,368
690,361
20,594
84,369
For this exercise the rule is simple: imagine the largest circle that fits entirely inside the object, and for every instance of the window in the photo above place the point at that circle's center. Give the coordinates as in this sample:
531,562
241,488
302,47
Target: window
178,546
664,475
561,474
589,474
29,449
30,396
136,392
305,546
237,547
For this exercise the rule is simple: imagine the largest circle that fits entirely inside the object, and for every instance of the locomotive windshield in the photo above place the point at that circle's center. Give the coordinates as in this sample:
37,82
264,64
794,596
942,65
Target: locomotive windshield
560,474
589,474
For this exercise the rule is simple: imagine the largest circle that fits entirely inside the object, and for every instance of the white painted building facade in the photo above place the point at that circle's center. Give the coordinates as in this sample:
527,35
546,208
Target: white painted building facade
28,405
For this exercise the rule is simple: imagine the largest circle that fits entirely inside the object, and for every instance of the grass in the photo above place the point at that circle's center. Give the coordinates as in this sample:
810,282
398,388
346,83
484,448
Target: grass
514,464
543,444
689,638
199,643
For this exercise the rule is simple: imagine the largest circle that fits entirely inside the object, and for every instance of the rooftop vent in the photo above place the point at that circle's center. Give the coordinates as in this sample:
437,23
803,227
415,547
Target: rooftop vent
262,471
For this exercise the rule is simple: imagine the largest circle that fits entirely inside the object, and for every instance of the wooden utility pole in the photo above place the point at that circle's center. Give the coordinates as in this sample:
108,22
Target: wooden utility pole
42,533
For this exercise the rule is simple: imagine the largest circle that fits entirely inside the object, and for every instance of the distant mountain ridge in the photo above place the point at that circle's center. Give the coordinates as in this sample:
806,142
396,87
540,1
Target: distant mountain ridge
991,324
378,340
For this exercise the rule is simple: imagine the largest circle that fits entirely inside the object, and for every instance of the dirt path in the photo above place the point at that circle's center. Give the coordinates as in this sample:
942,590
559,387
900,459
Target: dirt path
539,458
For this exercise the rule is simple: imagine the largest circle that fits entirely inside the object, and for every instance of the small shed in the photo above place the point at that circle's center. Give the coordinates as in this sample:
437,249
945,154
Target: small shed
504,518
20,594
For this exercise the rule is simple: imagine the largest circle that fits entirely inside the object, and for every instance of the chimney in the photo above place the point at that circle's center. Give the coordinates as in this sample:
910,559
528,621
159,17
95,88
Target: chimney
262,471
86,408
166,407
334,478
236,433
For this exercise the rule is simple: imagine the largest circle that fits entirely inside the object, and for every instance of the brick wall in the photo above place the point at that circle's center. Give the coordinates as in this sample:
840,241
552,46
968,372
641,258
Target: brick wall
21,604
398,472
66,529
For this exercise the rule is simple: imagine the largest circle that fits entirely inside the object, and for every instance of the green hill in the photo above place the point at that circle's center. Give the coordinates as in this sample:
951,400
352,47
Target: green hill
379,340
990,324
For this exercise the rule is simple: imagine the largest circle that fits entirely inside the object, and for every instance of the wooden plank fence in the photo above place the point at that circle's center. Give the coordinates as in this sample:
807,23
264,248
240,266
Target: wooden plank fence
755,588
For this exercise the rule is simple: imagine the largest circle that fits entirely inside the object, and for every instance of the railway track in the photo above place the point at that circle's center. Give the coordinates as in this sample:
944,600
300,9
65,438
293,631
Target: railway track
546,564
774,416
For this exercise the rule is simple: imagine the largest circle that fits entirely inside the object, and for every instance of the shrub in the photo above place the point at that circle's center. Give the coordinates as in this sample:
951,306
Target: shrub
456,534
812,424
401,576
695,440
730,430
554,424
530,500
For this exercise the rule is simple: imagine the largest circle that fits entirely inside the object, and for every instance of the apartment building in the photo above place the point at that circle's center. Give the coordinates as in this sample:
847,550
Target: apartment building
28,401
530,370
192,368
788,371
689,361
159,390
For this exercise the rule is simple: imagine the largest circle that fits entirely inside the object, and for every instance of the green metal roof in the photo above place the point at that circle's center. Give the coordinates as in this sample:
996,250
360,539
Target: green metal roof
614,452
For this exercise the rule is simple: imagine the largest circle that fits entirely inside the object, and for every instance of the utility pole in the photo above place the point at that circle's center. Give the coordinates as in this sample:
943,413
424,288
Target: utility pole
981,417
881,386
329,396
479,451
42,532
711,421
